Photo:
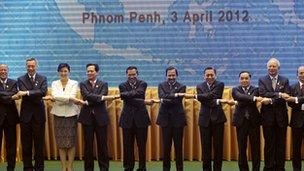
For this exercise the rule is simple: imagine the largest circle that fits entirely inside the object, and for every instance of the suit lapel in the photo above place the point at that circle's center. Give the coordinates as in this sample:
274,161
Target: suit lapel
29,82
1,86
269,83
205,87
298,90
97,87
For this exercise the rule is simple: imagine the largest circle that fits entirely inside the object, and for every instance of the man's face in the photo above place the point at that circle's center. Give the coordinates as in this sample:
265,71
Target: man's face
132,75
171,76
301,74
91,73
244,79
210,76
3,72
31,67
273,68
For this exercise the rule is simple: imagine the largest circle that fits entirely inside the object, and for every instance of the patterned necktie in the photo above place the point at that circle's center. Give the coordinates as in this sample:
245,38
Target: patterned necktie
93,84
245,90
302,88
4,85
32,79
274,82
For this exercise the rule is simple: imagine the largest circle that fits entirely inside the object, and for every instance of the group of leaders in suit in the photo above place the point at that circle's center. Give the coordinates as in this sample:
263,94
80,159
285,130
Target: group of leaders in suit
273,94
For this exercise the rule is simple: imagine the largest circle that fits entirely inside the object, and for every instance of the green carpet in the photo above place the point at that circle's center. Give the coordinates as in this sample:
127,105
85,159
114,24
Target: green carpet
151,166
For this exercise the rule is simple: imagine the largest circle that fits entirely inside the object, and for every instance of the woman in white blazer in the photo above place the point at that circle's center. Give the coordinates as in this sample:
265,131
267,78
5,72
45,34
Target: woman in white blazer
65,111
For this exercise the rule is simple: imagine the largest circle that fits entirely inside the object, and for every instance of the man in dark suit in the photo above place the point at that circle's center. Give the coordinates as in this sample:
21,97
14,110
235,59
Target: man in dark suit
32,87
8,115
94,118
296,102
134,119
211,118
247,120
171,118
275,89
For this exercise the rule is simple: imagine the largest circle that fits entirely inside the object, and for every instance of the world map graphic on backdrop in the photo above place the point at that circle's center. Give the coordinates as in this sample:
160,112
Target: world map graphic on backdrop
231,35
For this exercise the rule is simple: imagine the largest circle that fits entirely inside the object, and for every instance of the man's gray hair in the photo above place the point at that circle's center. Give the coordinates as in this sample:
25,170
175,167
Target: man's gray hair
275,60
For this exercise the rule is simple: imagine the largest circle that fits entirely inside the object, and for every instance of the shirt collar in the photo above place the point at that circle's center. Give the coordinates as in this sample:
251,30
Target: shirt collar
5,81
171,84
93,82
34,76
276,77
246,88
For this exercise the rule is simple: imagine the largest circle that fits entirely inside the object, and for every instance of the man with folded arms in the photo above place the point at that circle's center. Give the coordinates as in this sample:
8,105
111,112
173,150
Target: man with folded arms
275,89
32,88
8,115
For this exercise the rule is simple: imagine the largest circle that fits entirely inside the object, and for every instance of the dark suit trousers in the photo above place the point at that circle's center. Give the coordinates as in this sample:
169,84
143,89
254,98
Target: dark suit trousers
275,145
10,145
129,135
297,136
213,134
32,131
176,134
247,129
102,147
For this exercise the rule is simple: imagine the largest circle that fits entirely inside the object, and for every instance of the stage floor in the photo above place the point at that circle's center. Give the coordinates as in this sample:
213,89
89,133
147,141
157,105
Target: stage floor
151,166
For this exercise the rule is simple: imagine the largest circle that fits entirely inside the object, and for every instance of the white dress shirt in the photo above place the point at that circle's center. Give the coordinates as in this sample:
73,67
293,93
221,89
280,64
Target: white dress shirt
62,106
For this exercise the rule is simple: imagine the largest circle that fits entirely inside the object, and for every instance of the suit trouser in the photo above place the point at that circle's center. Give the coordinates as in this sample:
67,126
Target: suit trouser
102,147
10,145
297,136
253,131
32,131
129,136
176,134
275,145
213,134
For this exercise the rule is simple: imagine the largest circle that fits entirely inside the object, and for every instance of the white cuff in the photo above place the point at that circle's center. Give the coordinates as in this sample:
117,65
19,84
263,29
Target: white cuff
217,101
296,100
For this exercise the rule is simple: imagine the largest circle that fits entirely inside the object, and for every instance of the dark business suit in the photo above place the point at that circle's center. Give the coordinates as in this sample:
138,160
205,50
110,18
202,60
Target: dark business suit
247,120
172,120
274,121
211,122
32,118
297,125
8,119
94,118
134,121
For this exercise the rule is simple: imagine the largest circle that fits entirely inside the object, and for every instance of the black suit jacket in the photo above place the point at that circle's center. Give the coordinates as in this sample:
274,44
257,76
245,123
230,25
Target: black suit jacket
8,107
210,111
134,108
97,108
277,111
245,105
297,115
171,111
33,105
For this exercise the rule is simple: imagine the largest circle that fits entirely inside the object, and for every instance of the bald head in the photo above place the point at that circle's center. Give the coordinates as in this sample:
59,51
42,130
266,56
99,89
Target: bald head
3,71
